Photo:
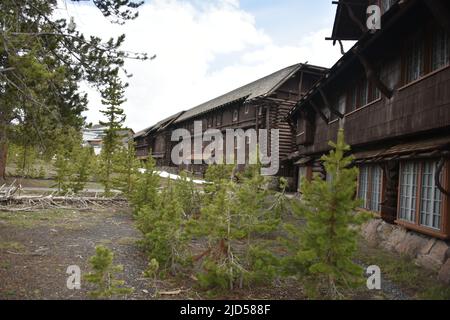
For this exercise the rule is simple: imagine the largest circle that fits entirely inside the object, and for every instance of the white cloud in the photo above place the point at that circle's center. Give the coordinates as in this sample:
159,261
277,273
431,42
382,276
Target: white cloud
189,40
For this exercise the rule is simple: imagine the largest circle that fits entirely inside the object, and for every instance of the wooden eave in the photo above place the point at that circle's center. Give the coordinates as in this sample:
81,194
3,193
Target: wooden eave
397,11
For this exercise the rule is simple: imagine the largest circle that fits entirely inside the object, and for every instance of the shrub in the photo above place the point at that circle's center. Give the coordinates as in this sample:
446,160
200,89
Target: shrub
103,276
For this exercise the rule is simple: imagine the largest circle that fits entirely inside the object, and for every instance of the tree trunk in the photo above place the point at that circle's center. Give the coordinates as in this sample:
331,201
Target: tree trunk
3,151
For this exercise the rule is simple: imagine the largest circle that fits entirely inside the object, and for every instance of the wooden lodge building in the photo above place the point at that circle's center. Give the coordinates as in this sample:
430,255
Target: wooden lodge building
261,104
391,95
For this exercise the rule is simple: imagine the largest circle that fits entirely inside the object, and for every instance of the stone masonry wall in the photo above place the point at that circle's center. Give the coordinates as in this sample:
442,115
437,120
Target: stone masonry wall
428,252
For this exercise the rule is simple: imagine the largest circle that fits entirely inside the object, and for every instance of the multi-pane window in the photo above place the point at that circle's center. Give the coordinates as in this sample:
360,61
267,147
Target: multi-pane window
353,100
408,191
430,197
440,56
420,201
235,115
362,94
414,66
426,53
370,187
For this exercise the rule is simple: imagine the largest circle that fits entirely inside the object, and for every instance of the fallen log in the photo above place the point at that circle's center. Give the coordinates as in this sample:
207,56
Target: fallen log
30,203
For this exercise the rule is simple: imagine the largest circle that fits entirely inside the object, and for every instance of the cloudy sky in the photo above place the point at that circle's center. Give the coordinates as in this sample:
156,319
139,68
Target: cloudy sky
206,48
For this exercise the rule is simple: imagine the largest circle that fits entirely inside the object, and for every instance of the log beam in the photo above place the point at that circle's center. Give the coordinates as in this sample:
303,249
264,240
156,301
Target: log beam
372,75
328,104
317,109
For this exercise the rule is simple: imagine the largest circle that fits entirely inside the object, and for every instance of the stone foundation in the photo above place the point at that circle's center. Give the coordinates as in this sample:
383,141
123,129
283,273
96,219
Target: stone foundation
428,252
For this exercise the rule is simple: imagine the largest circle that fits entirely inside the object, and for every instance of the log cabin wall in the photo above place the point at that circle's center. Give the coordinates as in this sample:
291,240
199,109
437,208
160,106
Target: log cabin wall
264,111
405,127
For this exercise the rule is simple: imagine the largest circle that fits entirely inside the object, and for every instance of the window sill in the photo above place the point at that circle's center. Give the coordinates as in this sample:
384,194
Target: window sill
428,75
422,229
363,107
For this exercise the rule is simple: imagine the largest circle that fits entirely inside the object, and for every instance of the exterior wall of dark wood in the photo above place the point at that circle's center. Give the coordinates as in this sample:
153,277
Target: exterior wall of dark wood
266,112
416,111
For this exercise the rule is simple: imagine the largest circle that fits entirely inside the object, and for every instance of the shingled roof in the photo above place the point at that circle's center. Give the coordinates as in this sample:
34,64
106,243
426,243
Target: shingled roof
158,126
258,88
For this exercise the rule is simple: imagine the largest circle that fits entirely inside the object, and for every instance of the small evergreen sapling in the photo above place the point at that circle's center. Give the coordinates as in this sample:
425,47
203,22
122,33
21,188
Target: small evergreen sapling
164,233
81,164
145,192
103,276
324,248
187,194
232,214
126,167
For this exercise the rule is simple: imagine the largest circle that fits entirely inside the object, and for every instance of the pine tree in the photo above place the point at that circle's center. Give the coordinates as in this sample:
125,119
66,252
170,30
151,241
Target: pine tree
126,168
113,98
324,248
103,275
62,171
43,58
145,192
187,194
25,161
232,213
81,164
165,237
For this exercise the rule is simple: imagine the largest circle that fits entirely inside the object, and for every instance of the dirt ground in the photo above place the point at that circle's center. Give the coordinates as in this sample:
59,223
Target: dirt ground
36,249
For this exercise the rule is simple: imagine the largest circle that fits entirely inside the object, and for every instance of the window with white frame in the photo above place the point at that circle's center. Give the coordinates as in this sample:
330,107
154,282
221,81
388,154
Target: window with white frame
430,197
370,185
408,191
363,184
420,200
